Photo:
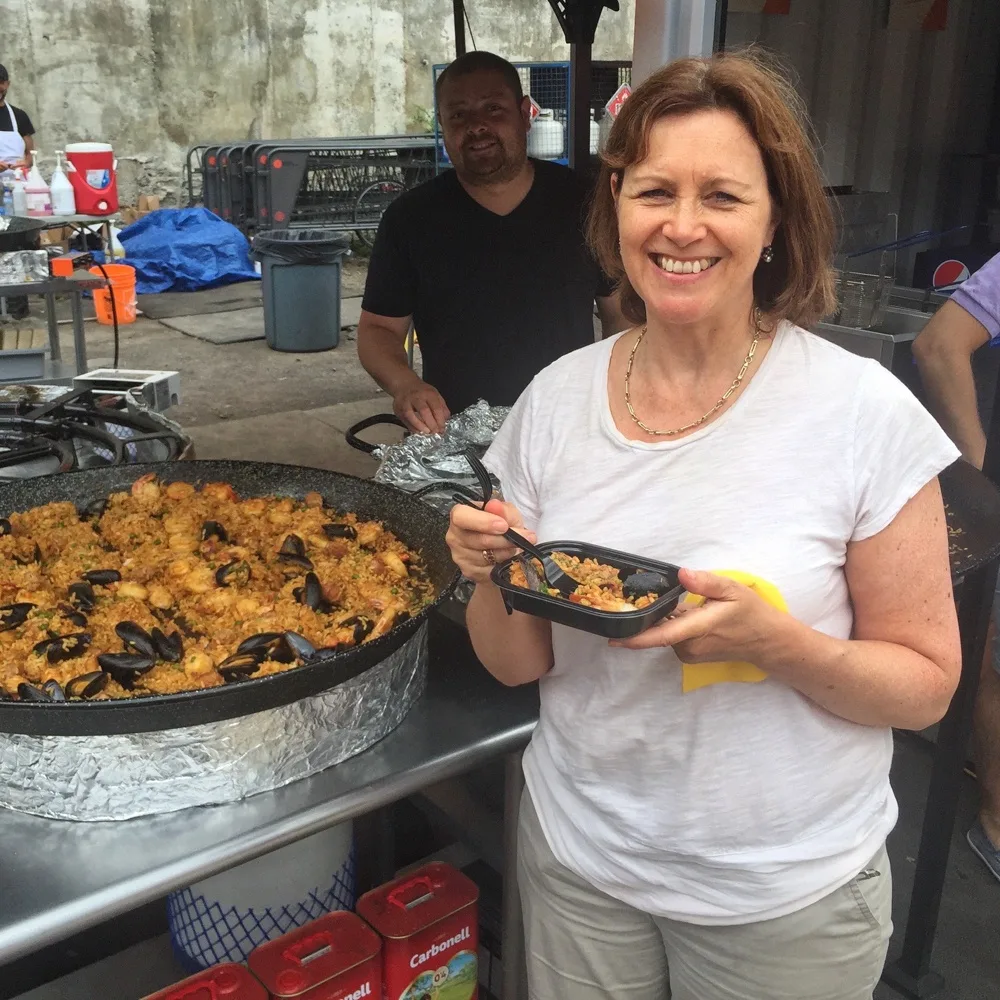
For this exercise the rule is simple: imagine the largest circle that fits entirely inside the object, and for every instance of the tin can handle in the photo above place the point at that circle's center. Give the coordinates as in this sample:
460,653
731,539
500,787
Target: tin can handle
309,949
403,897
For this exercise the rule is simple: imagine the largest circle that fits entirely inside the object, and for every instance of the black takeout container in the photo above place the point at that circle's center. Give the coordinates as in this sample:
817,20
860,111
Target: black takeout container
611,624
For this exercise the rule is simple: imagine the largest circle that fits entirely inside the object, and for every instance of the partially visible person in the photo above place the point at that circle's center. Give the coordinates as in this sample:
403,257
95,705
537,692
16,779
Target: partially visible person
487,261
16,130
967,321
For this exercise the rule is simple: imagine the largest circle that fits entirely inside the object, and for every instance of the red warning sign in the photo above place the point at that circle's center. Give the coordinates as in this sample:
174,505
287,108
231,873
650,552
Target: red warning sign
621,95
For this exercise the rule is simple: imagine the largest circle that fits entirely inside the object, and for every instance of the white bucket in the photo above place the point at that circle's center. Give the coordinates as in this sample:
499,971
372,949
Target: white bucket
225,917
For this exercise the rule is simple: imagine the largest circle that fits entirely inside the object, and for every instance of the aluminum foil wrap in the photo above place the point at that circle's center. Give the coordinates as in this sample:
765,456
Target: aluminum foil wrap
429,464
420,461
18,266
94,778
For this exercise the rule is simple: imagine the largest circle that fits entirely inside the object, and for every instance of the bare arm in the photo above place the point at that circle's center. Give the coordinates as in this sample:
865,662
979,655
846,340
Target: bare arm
382,352
612,320
944,352
903,662
29,144
901,666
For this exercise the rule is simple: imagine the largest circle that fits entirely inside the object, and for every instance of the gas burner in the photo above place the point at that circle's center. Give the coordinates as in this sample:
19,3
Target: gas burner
43,432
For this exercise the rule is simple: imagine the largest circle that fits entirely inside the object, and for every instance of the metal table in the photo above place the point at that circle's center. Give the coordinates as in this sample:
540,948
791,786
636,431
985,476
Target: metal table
973,508
82,224
55,369
58,878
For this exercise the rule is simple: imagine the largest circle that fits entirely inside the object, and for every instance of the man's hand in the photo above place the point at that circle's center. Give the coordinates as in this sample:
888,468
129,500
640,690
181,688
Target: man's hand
422,408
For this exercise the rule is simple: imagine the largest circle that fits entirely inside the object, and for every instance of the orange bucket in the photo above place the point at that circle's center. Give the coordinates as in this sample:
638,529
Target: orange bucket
122,278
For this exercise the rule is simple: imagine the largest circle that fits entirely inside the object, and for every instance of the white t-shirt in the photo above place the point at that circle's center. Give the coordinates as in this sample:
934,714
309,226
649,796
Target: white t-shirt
736,802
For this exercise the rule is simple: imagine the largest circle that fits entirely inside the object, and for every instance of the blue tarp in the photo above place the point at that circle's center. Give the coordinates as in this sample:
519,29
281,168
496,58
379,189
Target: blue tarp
185,250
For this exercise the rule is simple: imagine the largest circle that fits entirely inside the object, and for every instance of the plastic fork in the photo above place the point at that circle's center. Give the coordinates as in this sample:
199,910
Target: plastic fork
554,576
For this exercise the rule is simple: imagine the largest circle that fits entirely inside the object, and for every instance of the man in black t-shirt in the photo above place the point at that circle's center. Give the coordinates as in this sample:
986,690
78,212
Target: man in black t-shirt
16,130
487,261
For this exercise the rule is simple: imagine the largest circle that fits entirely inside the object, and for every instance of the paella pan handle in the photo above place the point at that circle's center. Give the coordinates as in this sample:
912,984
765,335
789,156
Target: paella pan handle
380,418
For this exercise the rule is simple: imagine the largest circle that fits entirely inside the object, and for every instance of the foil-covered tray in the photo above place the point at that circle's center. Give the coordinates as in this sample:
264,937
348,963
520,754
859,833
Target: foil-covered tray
95,778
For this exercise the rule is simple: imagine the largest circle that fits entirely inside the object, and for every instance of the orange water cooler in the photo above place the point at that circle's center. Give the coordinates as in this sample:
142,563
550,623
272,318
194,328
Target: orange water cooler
90,167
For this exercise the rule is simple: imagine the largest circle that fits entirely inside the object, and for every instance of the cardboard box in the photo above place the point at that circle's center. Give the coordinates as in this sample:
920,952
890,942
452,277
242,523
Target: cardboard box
149,203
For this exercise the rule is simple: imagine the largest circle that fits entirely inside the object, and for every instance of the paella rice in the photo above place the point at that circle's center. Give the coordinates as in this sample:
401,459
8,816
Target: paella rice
600,587
169,588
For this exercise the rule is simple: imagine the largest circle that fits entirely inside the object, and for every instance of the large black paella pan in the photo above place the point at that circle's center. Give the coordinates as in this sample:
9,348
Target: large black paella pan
412,522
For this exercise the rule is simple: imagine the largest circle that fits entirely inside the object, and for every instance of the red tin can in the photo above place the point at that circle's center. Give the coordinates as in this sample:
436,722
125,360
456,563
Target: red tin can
337,957
221,982
429,925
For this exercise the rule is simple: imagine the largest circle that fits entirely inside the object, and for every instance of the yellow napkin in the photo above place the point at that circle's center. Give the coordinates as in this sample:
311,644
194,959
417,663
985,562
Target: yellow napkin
699,675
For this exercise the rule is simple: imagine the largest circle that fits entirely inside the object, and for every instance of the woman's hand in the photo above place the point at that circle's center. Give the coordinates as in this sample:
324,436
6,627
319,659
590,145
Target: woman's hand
734,623
476,540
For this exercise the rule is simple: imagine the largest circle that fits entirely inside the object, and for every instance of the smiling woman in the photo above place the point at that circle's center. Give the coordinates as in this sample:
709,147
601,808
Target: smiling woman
726,838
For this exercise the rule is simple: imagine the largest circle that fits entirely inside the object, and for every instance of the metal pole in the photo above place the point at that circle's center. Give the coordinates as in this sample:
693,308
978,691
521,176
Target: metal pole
721,13
911,974
458,6
579,105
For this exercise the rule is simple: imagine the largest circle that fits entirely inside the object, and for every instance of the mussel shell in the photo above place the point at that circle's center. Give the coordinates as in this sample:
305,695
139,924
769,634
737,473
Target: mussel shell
262,640
212,529
63,647
300,645
236,573
136,639
292,546
28,692
78,618
311,594
35,556
94,510
87,685
293,563
324,652
168,647
5,527
14,615
82,596
102,577
54,690
337,530
239,667
362,627
125,668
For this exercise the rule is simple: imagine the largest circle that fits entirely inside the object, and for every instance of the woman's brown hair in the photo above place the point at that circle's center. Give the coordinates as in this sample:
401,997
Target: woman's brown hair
798,284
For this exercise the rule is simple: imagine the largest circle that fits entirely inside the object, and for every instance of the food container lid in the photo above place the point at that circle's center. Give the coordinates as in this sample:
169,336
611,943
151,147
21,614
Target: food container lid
401,908
314,954
222,982
88,147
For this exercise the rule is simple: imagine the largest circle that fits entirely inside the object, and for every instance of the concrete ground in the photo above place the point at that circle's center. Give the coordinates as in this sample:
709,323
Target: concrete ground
244,400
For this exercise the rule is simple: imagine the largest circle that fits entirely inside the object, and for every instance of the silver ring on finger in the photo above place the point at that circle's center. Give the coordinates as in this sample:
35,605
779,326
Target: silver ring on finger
489,558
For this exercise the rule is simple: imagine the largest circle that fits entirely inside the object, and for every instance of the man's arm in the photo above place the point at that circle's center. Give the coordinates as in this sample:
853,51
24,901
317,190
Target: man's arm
943,351
612,320
382,352
29,144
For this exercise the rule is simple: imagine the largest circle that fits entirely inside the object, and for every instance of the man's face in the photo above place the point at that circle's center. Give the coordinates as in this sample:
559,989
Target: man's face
3,89
485,128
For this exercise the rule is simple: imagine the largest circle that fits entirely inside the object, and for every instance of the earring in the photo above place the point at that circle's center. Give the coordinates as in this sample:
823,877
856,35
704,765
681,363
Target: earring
767,254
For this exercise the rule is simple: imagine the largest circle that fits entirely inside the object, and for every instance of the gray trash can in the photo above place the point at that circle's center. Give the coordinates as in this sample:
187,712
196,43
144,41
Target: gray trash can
300,283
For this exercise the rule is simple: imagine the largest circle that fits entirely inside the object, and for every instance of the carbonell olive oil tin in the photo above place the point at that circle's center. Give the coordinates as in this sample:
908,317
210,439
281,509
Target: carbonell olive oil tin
428,922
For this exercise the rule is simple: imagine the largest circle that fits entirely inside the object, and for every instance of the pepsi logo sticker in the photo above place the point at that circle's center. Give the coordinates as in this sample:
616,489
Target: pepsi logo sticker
949,272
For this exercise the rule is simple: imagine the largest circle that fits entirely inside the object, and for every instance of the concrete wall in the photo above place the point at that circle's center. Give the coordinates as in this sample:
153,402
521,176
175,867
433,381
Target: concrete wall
154,77
893,109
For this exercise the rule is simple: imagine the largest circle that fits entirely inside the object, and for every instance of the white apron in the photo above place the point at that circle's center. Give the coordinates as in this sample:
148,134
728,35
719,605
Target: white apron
11,143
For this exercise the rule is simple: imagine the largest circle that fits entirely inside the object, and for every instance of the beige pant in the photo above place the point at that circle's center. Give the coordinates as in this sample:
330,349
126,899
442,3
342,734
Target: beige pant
583,945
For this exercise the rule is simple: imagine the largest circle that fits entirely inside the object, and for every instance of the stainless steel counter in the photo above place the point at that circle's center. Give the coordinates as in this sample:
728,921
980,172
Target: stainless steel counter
57,878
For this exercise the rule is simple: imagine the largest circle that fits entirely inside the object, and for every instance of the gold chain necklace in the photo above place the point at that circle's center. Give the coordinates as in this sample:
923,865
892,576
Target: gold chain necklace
725,396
